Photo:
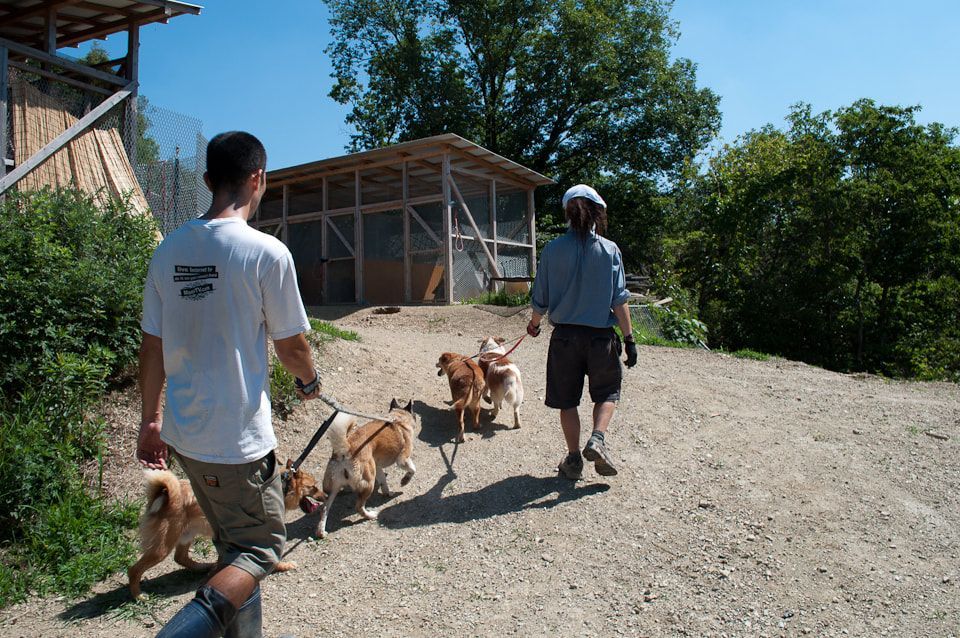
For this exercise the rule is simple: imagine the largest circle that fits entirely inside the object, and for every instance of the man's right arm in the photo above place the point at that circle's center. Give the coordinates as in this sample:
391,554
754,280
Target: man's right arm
151,451
296,356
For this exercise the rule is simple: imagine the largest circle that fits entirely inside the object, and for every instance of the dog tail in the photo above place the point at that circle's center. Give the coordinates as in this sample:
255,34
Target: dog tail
163,492
339,429
513,391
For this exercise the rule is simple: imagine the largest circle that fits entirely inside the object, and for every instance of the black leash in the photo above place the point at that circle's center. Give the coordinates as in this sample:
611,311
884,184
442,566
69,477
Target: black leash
287,474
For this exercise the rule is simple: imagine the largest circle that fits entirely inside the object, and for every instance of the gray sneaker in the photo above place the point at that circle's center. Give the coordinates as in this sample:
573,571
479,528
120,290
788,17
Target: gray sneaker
571,467
596,451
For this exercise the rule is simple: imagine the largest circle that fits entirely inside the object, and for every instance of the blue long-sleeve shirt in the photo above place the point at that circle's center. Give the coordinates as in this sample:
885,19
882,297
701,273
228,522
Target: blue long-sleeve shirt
579,282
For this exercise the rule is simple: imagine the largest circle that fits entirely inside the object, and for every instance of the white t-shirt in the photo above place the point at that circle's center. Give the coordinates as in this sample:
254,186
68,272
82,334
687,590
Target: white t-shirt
214,291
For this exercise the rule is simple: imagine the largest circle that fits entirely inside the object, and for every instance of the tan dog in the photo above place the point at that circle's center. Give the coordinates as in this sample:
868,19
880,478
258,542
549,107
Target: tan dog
502,377
361,452
466,386
172,520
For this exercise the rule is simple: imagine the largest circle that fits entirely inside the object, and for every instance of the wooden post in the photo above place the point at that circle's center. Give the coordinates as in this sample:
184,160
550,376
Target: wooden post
131,70
493,226
447,235
407,277
357,239
284,237
323,250
4,89
50,40
326,196
532,225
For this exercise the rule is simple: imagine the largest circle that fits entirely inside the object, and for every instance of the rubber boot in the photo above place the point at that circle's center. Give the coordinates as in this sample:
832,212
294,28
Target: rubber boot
249,620
206,616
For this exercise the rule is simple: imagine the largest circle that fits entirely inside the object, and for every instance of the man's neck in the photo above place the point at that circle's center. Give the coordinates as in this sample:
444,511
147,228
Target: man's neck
228,208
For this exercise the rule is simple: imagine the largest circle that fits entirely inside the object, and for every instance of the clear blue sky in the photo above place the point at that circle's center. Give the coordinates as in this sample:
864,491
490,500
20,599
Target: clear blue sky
253,65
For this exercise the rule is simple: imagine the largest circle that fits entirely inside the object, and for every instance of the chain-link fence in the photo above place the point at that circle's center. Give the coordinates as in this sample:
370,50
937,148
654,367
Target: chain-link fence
168,159
169,164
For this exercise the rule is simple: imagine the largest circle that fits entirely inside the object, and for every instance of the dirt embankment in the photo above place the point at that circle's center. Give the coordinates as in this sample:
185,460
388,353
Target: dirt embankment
754,499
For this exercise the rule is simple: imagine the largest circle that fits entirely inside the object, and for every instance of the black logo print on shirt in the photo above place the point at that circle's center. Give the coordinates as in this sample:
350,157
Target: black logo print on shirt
195,273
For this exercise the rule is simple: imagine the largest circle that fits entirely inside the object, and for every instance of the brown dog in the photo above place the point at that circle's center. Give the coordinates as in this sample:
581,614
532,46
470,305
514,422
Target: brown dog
466,386
172,520
502,377
361,452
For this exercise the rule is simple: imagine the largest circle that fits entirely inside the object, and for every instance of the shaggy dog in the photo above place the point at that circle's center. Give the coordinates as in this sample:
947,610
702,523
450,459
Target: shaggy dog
466,386
360,453
502,377
172,519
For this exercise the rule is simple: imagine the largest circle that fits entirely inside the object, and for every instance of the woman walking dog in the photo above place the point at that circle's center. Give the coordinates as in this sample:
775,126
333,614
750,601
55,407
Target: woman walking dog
580,284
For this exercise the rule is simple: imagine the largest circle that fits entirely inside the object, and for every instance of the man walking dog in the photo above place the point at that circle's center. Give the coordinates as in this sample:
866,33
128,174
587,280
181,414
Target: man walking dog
580,284
215,290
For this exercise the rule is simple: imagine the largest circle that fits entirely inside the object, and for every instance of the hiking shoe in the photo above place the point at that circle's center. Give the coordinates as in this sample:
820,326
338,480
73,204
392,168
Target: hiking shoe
571,467
596,451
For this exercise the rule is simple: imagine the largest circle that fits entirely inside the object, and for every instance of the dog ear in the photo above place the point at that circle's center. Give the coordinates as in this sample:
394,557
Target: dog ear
500,340
409,407
289,463
393,404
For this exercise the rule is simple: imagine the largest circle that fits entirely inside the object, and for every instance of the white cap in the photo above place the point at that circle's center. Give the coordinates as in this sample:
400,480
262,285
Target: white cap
582,190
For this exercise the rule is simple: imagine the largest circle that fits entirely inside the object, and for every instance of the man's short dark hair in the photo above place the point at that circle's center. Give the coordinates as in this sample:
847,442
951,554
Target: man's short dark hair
232,157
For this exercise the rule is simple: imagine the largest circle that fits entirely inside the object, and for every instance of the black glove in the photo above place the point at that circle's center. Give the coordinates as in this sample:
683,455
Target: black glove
532,330
631,347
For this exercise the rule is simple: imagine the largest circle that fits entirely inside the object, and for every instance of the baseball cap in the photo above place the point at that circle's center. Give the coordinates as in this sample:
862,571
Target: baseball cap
582,190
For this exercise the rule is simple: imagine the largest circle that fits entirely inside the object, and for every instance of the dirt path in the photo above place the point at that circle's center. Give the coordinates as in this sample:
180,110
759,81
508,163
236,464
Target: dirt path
754,499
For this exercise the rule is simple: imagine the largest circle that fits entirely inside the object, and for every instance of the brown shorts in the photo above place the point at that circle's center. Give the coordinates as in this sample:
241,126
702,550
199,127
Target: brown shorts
576,351
244,504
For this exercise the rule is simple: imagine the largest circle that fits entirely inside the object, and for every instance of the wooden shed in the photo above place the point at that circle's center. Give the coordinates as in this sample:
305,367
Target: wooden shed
434,220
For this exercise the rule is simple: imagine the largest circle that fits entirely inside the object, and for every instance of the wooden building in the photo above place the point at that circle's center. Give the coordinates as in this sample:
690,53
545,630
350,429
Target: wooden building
434,220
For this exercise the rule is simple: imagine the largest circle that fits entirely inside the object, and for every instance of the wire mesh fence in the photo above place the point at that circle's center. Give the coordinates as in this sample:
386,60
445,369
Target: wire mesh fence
164,172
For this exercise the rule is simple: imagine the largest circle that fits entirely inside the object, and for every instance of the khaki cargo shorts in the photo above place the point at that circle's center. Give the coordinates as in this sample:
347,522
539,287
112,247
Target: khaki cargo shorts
244,504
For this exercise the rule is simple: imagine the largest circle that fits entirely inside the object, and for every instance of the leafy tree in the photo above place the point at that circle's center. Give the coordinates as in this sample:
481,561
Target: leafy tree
579,90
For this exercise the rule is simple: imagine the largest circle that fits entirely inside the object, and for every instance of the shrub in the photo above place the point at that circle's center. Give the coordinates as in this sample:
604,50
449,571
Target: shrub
501,298
283,389
323,331
71,281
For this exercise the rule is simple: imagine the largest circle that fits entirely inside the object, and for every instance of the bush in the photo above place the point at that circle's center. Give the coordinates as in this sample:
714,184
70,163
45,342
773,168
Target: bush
501,298
283,389
71,281
323,331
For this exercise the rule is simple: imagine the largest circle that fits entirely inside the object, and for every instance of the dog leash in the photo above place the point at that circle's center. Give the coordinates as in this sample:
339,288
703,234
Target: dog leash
502,356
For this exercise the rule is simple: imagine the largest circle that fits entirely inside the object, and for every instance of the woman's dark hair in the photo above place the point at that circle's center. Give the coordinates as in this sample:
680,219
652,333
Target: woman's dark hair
232,157
585,215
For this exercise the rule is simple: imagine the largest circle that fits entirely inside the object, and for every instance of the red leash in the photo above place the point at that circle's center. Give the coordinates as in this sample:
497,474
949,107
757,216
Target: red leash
504,355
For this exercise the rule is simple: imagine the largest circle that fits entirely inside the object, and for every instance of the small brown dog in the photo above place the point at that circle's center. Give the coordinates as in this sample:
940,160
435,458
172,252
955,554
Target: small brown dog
172,520
466,386
502,377
361,452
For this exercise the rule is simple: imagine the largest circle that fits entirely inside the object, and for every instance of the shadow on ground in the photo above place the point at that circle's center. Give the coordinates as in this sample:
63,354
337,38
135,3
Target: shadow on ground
162,587
512,494
438,426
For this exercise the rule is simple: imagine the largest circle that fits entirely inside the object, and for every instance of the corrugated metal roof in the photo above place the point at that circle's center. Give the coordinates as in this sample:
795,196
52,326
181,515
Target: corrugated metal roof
25,21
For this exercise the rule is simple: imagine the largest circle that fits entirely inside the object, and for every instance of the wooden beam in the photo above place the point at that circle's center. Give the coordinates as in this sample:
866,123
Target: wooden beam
498,176
500,171
493,220
532,221
12,17
366,208
473,224
407,277
413,213
4,90
60,78
357,238
50,41
284,236
309,174
64,138
105,29
63,63
447,235
336,231
131,69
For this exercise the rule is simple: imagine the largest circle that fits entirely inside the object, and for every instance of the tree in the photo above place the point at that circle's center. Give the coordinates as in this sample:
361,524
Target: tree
578,90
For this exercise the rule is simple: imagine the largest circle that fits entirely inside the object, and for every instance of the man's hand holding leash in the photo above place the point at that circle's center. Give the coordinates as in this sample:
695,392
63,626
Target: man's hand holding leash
308,391
630,347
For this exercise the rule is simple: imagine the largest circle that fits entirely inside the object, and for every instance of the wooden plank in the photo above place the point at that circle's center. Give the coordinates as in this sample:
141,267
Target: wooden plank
324,238
532,222
367,208
4,108
407,277
413,213
50,41
285,208
357,237
336,231
59,77
473,224
12,17
61,140
493,219
132,70
447,235
307,174
63,63
484,176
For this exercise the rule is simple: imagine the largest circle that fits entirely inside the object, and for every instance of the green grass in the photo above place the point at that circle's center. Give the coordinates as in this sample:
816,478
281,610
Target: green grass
746,353
501,298
283,390
324,331
645,337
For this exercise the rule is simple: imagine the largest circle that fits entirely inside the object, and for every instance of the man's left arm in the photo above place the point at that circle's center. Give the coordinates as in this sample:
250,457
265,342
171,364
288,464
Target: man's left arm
621,310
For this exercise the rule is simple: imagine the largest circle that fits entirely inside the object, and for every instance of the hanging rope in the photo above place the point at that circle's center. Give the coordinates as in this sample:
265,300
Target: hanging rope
458,237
